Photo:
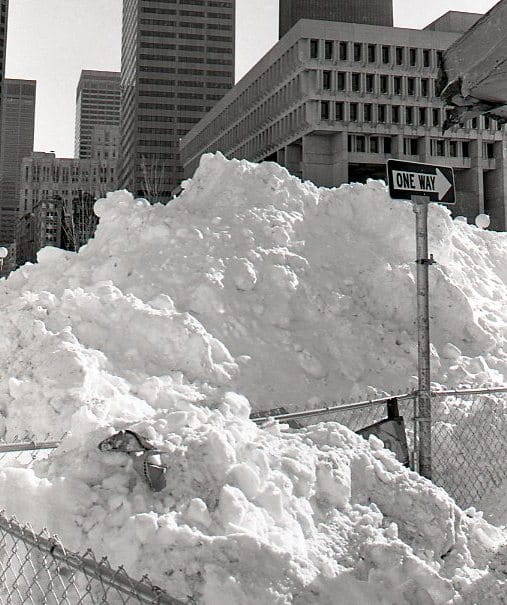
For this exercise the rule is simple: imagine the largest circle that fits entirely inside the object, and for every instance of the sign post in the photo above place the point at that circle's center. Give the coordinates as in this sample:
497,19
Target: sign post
422,183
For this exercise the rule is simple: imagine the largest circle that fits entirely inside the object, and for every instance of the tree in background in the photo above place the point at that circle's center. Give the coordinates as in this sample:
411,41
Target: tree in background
79,221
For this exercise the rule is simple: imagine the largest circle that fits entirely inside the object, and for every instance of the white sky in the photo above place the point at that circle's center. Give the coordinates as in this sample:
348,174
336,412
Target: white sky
51,41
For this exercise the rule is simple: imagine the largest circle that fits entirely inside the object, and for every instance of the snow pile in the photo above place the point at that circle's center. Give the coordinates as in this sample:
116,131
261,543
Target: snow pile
250,284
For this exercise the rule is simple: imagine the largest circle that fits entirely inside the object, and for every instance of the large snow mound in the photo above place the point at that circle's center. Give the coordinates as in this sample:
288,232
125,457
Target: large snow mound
251,289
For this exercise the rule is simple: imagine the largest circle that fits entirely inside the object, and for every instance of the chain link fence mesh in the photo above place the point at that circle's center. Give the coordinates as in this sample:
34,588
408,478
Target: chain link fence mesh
36,569
469,444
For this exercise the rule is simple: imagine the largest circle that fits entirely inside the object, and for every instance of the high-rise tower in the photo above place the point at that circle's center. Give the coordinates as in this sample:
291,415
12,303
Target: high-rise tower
18,117
98,98
370,12
177,62
4,8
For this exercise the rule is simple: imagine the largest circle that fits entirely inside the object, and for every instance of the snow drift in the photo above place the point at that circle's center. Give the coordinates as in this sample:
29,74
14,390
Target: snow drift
252,289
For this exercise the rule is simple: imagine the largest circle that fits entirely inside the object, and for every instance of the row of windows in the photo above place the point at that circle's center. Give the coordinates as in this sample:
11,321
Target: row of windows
189,72
376,83
359,143
189,24
380,113
187,47
332,50
184,13
214,3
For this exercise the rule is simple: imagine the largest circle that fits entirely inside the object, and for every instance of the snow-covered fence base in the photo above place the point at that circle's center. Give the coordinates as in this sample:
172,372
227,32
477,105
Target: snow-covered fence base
469,443
36,569
468,432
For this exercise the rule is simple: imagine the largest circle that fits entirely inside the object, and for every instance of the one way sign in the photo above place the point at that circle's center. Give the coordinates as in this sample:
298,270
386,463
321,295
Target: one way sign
413,178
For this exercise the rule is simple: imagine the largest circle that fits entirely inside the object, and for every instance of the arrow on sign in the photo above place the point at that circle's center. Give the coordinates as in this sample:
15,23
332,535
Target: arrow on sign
420,182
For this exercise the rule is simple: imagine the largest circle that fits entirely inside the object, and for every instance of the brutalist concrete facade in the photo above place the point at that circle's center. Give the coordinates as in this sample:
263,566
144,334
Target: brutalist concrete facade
177,62
333,101
371,12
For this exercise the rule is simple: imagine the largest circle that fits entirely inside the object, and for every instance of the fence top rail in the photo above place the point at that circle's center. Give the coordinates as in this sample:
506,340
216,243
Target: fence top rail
334,408
481,391
373,402
24,446
145,591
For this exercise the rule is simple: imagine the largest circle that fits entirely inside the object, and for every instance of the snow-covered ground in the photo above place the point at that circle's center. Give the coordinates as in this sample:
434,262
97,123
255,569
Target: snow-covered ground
251,291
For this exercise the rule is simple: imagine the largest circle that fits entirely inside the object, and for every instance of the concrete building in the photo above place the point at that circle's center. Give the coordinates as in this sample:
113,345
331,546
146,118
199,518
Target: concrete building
56,201
333,101
18,118
177,62
372,12
98,101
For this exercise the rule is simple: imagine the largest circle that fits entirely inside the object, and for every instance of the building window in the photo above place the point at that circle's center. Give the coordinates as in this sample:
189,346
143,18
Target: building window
465,149
412,56
328,50
370,83
324,110
326,80
373,144
425,88
488,151
422,116
453,149
409,115
339,111
397,85
372,53
411,86
399,55
384,84
410,146
386,54
341,80
314,49
436,116
395,114
381,114
356,82
344,51
358,51
426,57
353,111
367,112
437,147
387,145
487,122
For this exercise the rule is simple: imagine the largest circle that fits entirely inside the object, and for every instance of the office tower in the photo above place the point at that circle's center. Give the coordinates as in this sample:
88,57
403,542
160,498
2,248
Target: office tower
4,7
18,117
177,62
333,101
98,99
372,12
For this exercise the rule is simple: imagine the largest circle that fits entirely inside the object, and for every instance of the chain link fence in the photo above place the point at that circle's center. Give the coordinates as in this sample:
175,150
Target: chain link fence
468,433
36,569
469,443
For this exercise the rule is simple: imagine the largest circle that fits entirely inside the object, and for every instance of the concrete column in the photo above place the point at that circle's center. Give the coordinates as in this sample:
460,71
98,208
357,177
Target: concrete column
325,159
470,186
495,189
293,158
424,149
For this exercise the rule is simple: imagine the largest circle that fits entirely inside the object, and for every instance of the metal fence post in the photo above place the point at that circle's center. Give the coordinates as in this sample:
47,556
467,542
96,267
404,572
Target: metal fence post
420,206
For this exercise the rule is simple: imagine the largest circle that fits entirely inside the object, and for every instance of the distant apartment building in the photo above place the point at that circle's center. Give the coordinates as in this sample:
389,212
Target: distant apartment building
98,100
333,101
177,62
56,201
18,118
372,12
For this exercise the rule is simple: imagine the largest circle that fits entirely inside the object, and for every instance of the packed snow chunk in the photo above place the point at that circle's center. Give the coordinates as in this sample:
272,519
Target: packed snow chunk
252,290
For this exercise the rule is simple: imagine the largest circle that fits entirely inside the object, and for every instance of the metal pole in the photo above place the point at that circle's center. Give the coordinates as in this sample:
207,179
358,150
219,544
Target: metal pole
420,206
